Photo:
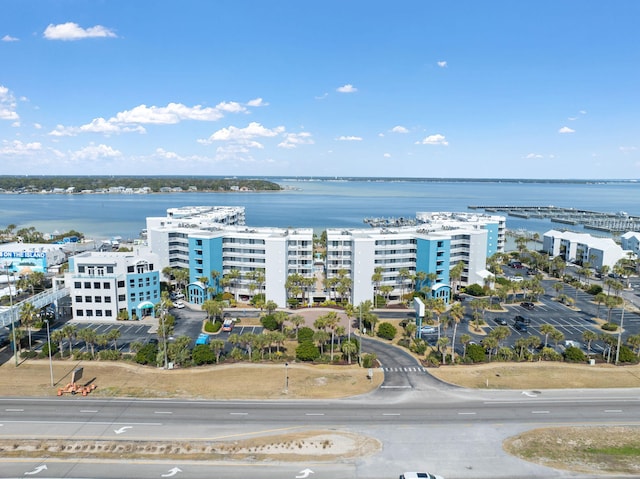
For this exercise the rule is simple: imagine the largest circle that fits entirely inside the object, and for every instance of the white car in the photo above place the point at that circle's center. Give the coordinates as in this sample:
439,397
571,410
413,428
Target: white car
419,475
427,330
178,304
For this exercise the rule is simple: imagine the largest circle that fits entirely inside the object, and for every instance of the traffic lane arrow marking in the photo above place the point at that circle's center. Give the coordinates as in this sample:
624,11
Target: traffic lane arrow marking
304,473
36,470
172,472
122,429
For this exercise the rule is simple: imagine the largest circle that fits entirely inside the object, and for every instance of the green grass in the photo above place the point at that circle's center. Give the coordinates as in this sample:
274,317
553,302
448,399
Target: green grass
616,451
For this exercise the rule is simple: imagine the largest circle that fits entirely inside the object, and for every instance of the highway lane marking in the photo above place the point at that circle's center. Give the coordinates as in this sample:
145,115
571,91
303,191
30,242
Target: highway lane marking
391,414
314,414
539,412
89,410
85,423
467,413
162,412
239,413
396,387
570,400
613,410
14,410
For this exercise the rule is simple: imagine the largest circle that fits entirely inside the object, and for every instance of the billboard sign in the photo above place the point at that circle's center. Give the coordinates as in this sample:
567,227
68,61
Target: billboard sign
22,263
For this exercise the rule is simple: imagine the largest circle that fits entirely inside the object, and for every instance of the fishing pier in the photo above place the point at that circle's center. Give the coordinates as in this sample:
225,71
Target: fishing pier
613,223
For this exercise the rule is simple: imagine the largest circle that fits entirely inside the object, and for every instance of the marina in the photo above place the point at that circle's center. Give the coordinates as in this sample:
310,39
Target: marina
613,223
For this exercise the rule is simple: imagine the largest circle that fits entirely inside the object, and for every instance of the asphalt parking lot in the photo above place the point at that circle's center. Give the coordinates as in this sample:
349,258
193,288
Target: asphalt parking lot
572,323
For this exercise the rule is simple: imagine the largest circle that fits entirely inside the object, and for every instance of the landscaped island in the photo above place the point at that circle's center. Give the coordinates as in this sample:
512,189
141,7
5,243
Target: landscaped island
129,184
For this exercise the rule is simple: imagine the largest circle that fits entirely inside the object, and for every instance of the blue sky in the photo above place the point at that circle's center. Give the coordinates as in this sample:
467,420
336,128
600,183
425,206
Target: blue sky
418,88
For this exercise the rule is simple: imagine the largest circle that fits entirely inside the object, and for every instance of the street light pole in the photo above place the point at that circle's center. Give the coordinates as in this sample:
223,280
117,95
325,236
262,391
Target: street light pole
49,344
13,326
286,378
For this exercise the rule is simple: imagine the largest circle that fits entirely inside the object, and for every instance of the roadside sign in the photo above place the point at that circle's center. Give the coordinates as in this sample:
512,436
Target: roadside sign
77,375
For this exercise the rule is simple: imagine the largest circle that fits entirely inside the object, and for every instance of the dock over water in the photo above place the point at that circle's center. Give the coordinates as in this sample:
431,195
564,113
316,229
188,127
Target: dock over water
613,223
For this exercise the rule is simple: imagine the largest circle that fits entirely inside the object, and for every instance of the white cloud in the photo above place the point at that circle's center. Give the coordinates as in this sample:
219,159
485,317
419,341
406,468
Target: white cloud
95,152
237,143
436,139
399,129
9,38
349,138
387,155
442,64
348,88
7,104
322,97
72,31
257,102
583,112
628,149
566,129
131,120
292,140
533,156
19,148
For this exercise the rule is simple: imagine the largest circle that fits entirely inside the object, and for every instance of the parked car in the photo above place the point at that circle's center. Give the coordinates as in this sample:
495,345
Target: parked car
202,339
527,305
521,319
500,321
178,304
419,475
427,330
521,327
227,325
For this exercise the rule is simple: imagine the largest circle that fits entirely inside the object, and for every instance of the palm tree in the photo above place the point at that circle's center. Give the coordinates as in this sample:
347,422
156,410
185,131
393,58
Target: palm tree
547,329
70,332
349,348
465,339
589,336
557,336
28,315
456,313
376,279
442,348
57,336
490,343
114,335
296,320
331,321
89,337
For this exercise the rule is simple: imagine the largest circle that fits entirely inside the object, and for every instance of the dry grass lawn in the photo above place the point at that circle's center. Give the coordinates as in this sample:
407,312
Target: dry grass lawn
588,450
238,381
540,375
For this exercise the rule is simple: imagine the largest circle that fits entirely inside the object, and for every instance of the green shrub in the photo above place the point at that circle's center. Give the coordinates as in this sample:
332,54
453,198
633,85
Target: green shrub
574,355
28,354
212,326
476,353
109,355
419,346
594,289
305,334
610,327
147,354
368,360
307,351
269,322
45,350
202,354
386,331
475,290
405,343
627,355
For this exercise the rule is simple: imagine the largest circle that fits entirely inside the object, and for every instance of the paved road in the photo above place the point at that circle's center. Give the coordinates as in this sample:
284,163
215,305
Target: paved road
415,433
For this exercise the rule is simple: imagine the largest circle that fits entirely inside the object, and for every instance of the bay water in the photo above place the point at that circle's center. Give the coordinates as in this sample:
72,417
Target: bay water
317,204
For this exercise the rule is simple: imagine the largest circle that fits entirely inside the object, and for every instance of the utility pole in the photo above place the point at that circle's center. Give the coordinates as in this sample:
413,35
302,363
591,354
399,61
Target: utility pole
13,325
